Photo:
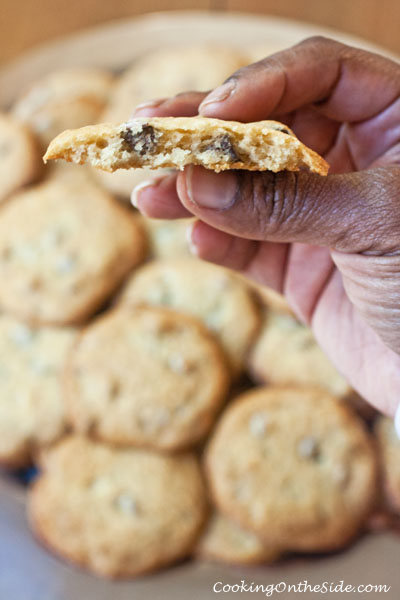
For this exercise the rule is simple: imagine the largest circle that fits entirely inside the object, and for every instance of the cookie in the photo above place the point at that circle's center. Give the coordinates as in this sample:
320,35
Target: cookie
145,377
32,411
173,70
167,239
65,246
210,293
296,466
64,99
174,142
389,455
226,542
19,157
117,512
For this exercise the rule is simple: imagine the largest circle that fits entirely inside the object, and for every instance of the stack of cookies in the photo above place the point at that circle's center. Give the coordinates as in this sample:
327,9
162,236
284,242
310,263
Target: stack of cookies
172,410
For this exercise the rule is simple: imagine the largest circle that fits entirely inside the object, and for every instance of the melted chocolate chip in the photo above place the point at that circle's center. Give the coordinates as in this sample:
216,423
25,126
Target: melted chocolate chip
223,144
284,130
142,142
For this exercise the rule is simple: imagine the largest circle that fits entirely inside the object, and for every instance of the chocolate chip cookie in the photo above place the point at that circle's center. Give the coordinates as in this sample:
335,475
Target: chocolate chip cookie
64,248
174,142
146,377
296,466
64,99
117,512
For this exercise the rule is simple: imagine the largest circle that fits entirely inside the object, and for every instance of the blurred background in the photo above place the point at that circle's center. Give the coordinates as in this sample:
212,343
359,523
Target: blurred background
25,23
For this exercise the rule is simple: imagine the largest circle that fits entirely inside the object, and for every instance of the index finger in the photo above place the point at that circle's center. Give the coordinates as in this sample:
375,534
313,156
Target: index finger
344,83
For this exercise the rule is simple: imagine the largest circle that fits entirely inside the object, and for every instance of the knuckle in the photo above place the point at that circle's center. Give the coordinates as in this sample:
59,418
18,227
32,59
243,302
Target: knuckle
320,42
274,200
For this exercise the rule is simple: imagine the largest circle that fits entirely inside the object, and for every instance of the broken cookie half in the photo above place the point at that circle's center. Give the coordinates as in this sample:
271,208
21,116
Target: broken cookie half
174,142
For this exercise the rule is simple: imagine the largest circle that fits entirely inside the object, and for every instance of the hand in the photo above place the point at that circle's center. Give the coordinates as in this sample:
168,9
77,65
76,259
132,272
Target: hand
330,244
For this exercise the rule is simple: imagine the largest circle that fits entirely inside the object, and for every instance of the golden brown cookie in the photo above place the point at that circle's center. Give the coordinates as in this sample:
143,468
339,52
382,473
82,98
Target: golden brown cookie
64,248
64,99
389,455
210,293
225,541
146,377
175,142
20,162
295,466
32,410
117,512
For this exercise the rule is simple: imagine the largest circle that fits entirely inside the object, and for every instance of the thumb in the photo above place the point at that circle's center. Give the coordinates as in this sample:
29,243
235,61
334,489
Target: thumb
354,212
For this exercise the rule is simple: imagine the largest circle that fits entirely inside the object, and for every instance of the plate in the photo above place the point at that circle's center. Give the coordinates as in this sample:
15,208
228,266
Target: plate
28,571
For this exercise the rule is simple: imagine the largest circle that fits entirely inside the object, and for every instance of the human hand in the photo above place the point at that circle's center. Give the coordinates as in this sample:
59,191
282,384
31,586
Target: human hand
330,244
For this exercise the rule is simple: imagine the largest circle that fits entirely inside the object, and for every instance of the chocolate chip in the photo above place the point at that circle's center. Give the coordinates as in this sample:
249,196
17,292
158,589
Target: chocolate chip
308,447
179,364
114,390
143,141
284,130
258,424
224,144
126,504
65,263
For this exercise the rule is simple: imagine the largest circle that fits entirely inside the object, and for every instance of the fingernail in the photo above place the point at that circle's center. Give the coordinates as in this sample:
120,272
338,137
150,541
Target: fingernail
149,104
210,190
137,189
220,94
192,246
397,421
